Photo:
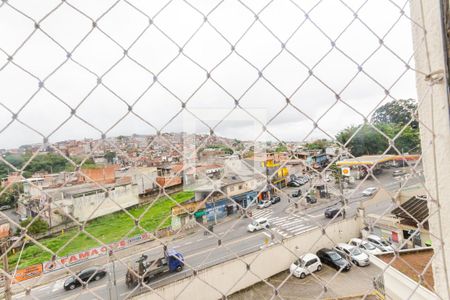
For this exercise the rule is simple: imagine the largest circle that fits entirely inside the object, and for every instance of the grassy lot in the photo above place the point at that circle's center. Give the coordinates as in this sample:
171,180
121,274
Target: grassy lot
107,229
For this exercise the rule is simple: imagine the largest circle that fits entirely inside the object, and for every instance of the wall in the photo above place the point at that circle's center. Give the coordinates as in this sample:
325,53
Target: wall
89,207
232,276
399,286
432,93
103,175
246,186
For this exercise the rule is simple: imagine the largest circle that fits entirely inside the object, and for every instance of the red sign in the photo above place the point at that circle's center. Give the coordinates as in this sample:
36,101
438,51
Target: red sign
394,236
27,273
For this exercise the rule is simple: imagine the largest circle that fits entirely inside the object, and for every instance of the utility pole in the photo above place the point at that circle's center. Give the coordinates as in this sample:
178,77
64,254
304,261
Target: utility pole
341,190
3,247
114,282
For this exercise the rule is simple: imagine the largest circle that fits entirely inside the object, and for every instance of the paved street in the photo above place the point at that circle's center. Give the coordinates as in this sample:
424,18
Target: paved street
201,251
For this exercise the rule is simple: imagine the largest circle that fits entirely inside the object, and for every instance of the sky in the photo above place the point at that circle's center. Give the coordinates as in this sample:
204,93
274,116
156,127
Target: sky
149,84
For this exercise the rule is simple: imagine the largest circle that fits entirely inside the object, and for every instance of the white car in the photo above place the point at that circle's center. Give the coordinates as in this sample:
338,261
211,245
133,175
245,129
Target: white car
305,265
258,224
365,246
369,191
264,204
353,254
380,243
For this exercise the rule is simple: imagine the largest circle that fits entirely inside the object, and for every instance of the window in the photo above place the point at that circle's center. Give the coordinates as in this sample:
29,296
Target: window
311,262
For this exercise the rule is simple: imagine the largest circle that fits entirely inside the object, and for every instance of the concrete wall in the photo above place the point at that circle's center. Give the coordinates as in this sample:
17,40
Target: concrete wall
232,276
89,207
433,96
399,286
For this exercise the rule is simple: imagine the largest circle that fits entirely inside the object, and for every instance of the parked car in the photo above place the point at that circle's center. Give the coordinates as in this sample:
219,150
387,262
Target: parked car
303,180
369,191
397,173
264,204
5,207
380,243
305,265
365,246
275,199
23,218
353,254
297,193
330,212
333,259
88,275
293,183
310,199
258,224
293,177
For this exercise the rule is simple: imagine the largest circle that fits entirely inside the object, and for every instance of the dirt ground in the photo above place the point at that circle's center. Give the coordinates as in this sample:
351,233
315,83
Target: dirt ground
412,264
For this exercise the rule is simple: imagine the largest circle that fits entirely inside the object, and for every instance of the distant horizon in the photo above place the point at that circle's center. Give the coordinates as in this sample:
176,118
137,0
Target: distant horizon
151,135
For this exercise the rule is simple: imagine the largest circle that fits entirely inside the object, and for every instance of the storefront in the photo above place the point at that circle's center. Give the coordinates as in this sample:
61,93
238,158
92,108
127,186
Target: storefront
187,214
216,210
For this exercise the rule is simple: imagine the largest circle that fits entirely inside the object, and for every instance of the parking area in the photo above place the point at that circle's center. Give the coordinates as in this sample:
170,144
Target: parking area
350,285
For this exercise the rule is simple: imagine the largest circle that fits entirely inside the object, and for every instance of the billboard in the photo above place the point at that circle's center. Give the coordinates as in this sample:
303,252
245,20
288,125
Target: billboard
80,257
28,273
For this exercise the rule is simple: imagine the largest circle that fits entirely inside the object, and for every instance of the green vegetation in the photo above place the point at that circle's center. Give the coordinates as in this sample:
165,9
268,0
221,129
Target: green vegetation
38,226
318,144
224,148
10,196
391,119
281,148
110,156
107,229
50,162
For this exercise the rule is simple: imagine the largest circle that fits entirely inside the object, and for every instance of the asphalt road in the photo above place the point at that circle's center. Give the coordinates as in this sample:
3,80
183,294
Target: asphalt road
202,251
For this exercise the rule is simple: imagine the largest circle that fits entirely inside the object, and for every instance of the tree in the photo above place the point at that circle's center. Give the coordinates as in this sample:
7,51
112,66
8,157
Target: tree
50,163
318,144
38,226
281,148
110,156
366,141
369,141
391,120
407,141
10,196
395,112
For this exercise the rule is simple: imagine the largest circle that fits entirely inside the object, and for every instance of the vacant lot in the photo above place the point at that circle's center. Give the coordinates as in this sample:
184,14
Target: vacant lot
107,229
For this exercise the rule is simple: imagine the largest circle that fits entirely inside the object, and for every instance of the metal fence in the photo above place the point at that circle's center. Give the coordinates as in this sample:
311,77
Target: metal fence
278,71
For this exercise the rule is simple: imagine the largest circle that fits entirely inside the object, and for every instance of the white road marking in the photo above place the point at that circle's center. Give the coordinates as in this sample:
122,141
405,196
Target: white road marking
300,229
315,216
57,285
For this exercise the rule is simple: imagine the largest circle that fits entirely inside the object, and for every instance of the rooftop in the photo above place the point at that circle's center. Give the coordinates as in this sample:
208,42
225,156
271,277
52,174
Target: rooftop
413,263
413,211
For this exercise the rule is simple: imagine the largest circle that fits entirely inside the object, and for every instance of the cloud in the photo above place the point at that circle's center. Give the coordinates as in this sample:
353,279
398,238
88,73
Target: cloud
152,62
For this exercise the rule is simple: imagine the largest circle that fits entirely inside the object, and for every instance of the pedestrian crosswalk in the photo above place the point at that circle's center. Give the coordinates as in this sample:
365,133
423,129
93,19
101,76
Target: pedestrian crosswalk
288,225
407,176
262,213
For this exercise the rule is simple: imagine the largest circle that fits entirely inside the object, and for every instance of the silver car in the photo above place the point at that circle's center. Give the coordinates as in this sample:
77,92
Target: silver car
353,254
